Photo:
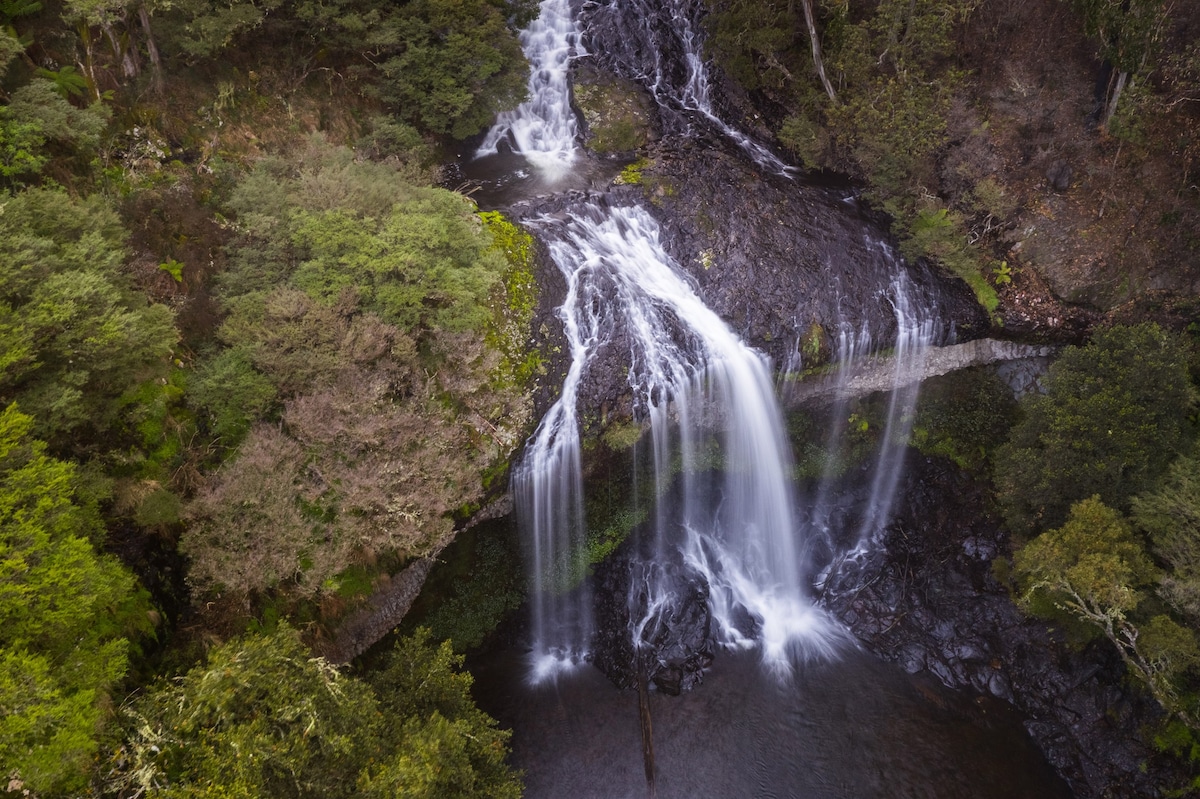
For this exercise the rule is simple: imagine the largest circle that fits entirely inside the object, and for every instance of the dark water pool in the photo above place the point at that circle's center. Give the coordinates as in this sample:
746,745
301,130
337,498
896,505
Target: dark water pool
854,729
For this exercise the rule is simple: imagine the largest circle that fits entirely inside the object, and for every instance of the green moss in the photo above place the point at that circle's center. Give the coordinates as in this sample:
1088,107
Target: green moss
354,582
825,446
514,308
813,347
631,175
602,543
658,188
936,232
622,435
478,581
963,416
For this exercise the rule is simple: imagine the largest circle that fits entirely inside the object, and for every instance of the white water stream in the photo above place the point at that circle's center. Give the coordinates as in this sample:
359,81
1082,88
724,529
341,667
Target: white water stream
543,128
691,90
698,383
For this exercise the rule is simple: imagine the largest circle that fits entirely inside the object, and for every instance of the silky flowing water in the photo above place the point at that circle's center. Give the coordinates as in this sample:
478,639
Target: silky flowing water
790,707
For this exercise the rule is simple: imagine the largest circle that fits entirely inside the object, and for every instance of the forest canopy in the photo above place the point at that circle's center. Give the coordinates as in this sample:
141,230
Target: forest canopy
366,327
263,375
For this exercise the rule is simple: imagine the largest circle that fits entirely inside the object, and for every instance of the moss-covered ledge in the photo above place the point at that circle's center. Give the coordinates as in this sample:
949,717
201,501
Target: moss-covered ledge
616,113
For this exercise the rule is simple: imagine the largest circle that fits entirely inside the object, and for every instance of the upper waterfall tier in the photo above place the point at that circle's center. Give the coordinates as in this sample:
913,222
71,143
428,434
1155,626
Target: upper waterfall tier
544,128
659,44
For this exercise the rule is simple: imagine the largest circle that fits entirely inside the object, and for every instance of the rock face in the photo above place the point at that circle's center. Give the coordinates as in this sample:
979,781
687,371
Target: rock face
672,656
617,116
783,262
926,598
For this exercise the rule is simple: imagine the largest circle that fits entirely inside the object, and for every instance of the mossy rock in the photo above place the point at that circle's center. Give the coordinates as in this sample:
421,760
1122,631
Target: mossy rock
616,112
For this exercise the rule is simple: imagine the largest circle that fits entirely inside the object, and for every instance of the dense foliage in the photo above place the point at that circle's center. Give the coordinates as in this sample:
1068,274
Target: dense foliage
1115,421
76,337
371,318
278,370
1111,420
1095,569
66,614
262,717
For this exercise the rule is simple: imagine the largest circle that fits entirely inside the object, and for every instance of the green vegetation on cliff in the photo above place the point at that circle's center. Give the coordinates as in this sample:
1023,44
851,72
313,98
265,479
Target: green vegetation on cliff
966,121
383,357
1114,415
1097,480
66,615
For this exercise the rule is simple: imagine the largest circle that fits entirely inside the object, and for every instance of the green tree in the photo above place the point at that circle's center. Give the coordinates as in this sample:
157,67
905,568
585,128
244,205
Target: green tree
65,614
449,747
1113,416
1170,514
446,66
1094,569
391,355
39,126
449,66
262,717
74,336
426,264
233,394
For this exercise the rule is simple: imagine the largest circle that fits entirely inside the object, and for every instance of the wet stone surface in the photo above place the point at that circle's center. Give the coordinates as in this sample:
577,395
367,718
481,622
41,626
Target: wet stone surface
925,597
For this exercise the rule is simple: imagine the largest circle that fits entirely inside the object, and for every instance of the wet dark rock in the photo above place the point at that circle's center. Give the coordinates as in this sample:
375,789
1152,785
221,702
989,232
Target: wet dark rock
617,116
779,260
926,598
783,260
673,651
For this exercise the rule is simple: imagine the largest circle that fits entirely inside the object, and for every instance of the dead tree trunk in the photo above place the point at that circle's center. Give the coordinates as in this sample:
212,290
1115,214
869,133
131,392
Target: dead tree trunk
1114,97
811,22
151,48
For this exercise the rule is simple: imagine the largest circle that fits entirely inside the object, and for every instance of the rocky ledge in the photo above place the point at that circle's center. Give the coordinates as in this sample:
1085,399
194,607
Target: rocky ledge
926,598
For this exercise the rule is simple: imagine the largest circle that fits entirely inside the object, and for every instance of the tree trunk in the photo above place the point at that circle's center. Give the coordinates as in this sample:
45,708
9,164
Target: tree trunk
151,48
121,49
811,22
88,66
1111,108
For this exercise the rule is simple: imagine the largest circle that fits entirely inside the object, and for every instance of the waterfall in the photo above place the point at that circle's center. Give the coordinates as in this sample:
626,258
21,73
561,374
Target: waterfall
548,492
543,128
913,336
726,526
663,26
695,381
